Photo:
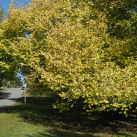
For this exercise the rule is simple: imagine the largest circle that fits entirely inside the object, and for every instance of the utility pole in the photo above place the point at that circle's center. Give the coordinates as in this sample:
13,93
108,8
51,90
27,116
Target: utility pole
25,93
25,96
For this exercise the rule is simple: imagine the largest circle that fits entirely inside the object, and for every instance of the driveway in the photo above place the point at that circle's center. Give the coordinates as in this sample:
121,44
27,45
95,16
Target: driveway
9,97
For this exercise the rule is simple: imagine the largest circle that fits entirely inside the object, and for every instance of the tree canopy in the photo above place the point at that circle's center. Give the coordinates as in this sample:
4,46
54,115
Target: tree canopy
70,50
8,65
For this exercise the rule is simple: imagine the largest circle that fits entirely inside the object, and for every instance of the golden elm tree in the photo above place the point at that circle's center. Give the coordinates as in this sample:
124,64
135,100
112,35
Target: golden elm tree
69,52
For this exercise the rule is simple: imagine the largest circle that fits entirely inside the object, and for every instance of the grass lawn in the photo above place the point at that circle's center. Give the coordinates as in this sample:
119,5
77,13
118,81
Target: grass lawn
2,89
38,119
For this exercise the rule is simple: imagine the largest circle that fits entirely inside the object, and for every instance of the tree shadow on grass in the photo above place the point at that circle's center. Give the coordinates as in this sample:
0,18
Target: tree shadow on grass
59,133
38,111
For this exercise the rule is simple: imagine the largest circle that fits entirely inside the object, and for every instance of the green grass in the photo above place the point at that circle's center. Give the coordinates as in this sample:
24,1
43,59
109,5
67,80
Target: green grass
2,89
38,119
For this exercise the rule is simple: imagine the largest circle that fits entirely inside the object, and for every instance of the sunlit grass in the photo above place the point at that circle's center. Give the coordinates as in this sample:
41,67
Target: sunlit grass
38,118
2,89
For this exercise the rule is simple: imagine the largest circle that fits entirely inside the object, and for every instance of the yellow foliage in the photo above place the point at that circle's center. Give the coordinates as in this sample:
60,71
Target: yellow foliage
71,42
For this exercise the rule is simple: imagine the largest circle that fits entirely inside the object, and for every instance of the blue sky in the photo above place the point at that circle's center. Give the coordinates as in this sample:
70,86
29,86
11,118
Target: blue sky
5,4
